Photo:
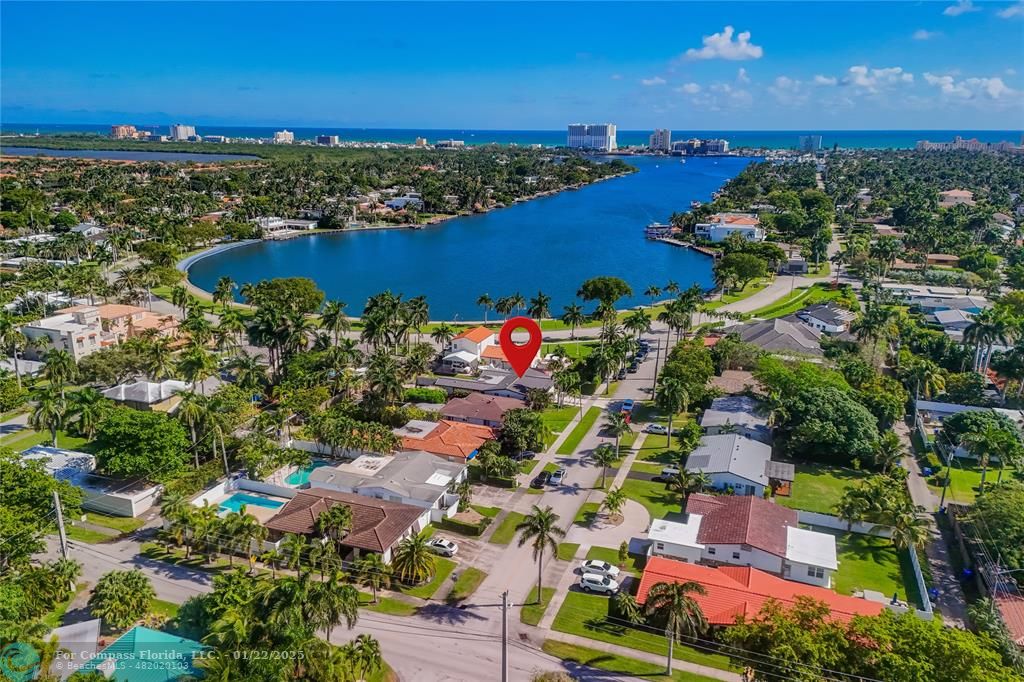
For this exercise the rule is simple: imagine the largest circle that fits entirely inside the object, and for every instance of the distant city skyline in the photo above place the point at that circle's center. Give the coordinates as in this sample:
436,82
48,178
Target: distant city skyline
949,64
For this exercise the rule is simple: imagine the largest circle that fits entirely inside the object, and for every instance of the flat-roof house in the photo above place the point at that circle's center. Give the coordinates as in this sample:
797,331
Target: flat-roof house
271,224
827,318
416,478
934,304
742,591
88,230
377,525
746,531
151,396
128,321
721,226
477,408
953,320
80,333
781,336
493,381
943,259
455,441
113,497
737,414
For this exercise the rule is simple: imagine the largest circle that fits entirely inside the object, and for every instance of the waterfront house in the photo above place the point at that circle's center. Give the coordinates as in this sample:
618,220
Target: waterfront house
477,408
122,322
826,317
411,200
737,414
377,525
784,336
721,226
453,440
415,478
150,396
274,225
742,591
746,531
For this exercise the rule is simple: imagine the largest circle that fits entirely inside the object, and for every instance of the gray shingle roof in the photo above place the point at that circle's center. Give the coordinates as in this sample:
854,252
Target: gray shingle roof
731,453
416,475
783,334
739,410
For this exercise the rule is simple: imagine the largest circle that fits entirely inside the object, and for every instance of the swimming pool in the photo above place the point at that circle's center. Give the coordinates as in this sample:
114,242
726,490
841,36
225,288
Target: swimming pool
235,502
300,477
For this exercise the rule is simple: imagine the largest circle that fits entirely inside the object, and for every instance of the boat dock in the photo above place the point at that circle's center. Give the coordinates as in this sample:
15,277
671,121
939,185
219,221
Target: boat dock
702,249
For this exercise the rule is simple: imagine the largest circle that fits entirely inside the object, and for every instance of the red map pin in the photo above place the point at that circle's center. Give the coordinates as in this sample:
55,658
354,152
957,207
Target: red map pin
520,357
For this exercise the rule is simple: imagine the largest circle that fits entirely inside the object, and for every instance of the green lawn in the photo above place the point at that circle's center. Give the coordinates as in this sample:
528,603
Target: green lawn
387,605
87,535
556,419
465,585
872,563
964,482
585,615
119,523
634,564
506,530
573,349
572,441
532,611
527,465
489,512
746,292
799,298
615,664
659,501
626,441
53,618
818,487
442,569
567,550
164,609
27,438
587,512
647,467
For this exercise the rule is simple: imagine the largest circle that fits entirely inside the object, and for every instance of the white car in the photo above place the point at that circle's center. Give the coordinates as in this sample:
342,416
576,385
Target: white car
557,477
671,471
657,429
592,582
444,547
600,568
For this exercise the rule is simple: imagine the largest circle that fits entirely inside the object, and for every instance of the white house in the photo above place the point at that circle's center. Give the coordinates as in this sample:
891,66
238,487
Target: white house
473,340
732,461
746,531
827,318
88,230
721,226
80,333
414,478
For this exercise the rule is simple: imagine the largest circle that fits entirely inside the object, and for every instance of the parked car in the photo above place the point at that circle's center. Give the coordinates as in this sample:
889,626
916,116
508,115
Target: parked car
671,471
592,582
540,480
558,477
645,344
632,369
621,375
525,455
600,568
443,547
627,405
657,429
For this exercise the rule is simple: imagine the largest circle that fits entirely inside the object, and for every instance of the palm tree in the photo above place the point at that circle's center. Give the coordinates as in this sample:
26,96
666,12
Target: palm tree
334,523
574,317
688,482
49,412
250,371
604,455
539,307
196,365
159,360
671,398
248,533
888,451
192,411
372,572
541,529
294,548
223,292
89,407
60,368
443,335
617,424
365,656
412,560
638,322
653,292
671,604
614,501
11,340
486,302
335,602
909,529
334,320
991,440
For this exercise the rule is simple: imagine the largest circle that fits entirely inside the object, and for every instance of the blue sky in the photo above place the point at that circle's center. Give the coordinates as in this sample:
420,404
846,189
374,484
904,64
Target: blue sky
948,64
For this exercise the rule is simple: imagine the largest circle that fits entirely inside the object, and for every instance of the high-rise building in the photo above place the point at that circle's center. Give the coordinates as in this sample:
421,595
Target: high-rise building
328,140
809,143
182,133
284,137
661,140
420,142
715,146
599,136
123,132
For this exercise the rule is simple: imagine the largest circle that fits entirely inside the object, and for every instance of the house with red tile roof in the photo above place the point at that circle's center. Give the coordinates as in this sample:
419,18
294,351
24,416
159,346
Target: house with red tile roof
478,408
721,226
745,530
742,591
455,441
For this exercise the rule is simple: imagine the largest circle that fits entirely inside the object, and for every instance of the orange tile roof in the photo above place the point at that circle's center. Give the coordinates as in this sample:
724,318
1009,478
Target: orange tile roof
454,439
476,334
733,219
108,311
1011,606
493,353
742,591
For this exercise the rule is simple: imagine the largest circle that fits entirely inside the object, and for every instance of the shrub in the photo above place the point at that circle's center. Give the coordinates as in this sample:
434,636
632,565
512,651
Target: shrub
424,394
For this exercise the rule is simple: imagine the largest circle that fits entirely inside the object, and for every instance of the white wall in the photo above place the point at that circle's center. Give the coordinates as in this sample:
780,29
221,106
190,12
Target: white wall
797,572
753,557
829,521
724,480
668,549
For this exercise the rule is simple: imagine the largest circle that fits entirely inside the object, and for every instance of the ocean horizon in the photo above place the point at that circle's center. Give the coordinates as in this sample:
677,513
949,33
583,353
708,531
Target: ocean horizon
760,139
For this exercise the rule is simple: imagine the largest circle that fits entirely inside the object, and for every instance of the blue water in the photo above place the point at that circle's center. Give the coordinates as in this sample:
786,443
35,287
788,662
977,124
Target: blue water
120,155
767,139
235,502
300,477
552,244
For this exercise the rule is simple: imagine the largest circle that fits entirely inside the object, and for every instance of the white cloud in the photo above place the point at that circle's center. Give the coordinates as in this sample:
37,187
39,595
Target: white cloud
825,80
741,75
1012,11
961,7
689,88
656,80
970,88
872,80
788,91
722,46
1011,71
616,76
923,34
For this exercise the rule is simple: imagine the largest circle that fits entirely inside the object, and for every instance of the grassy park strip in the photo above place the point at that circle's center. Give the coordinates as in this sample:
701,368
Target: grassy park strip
506,530
533,610
466,584
615,664
575,436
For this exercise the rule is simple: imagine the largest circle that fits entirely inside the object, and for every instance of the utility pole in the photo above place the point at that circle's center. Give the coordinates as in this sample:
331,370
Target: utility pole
504,636
60,524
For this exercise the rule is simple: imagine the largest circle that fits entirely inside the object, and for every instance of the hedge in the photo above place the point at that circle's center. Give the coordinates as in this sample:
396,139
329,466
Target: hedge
472,529
423,394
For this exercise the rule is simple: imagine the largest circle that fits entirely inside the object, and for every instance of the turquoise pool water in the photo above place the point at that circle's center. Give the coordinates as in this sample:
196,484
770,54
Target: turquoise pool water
235,502
300,477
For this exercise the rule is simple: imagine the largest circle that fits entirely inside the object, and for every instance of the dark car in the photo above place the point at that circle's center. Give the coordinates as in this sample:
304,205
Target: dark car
633,368
621,375
540,480
525,455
